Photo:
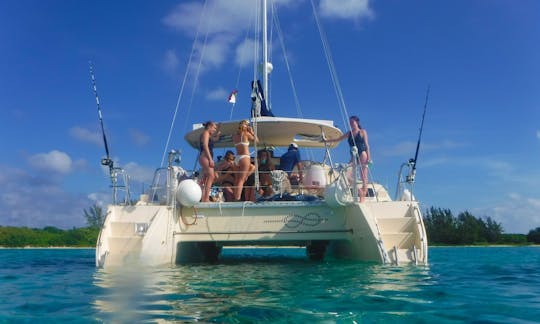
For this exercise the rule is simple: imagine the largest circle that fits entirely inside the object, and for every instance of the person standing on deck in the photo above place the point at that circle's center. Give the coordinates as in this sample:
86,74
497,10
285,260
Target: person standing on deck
206,157
358,137
241,140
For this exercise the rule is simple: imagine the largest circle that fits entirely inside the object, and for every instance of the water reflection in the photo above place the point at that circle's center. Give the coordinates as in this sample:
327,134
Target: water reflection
262,285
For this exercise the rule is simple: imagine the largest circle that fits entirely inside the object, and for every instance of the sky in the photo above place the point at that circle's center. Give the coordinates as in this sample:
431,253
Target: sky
481,137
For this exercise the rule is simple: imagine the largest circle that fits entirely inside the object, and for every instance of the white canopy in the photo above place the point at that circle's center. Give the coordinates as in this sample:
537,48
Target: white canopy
275,131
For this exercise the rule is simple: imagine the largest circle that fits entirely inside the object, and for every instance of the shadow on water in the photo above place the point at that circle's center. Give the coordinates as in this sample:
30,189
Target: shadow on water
461,284
278,285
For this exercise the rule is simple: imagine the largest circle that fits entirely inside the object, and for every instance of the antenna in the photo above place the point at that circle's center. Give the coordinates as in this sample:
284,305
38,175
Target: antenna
107,160
412,175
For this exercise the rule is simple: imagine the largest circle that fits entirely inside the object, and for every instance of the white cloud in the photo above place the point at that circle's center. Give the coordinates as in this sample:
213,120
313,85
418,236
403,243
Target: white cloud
100,198
139,137
409,147
244,53
54,161
538,134
37,200
85,135
139,173
345,9
516,213
170,61
399,149
218,94
219,24
215,51
220,16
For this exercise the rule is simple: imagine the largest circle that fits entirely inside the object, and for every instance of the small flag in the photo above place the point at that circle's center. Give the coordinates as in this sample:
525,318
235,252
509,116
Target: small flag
232,96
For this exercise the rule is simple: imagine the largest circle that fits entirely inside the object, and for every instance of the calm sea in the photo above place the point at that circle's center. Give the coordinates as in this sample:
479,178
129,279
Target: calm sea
463,284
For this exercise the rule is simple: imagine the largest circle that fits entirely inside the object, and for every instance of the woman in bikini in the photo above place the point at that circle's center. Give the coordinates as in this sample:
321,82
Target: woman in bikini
242,161
206,157
358,137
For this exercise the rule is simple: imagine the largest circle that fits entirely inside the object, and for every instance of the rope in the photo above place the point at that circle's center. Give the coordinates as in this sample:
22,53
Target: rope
198,71
287,65
182,88
183,219
332,68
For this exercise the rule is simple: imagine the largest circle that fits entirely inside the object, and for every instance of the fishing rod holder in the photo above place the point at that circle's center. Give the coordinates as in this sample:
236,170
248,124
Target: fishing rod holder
107,162
409,178
119,184
175,156
412,171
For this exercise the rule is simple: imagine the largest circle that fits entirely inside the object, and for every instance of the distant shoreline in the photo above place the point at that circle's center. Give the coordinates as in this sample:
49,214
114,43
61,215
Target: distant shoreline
47,247
488,245
269,247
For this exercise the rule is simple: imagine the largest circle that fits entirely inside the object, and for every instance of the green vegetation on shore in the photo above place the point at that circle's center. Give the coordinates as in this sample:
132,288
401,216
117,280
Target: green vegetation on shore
54,237
48,237
443,228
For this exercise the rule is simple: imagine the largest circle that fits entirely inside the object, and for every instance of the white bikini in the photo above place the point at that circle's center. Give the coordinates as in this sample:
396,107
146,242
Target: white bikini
238,158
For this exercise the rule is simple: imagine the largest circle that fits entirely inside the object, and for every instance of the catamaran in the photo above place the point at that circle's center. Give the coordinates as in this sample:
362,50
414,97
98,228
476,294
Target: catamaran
324,213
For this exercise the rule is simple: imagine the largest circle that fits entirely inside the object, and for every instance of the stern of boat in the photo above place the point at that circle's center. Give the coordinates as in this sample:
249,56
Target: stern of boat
134,233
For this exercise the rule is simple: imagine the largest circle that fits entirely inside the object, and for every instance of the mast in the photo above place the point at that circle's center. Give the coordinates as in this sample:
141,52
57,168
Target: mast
265,50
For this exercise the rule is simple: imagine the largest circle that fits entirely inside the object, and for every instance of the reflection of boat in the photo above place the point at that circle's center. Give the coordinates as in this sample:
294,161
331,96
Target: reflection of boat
169,225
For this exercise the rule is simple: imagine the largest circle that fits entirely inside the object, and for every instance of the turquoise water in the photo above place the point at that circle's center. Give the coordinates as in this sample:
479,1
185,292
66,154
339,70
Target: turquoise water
463,284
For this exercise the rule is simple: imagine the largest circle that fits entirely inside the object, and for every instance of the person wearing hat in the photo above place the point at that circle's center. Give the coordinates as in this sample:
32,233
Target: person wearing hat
289,160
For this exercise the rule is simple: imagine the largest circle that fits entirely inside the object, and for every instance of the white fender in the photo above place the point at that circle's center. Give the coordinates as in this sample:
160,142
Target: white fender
188,193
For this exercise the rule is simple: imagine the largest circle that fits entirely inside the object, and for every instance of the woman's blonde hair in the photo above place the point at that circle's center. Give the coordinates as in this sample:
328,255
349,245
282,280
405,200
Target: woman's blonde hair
242,124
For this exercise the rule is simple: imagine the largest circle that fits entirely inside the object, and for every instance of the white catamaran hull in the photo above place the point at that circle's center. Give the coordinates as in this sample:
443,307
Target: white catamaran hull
385,232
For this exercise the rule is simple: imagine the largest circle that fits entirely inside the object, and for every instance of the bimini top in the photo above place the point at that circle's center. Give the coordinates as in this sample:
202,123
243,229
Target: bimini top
275,131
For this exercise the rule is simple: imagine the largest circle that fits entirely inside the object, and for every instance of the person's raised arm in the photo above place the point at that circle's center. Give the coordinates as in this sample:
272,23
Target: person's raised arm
252,137
339,139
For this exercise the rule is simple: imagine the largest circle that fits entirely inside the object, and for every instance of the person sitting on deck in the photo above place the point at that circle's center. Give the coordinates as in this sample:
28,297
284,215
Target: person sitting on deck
225,175
265,178
288,161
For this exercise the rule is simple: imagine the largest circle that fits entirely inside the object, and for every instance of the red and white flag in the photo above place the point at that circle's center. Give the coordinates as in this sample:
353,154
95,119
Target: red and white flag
232,96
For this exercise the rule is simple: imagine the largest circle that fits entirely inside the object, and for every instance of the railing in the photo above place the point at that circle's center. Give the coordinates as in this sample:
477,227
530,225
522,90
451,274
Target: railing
316,178
120,184
408,181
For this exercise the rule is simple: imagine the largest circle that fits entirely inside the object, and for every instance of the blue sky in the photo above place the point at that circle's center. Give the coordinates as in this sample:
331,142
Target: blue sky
481,141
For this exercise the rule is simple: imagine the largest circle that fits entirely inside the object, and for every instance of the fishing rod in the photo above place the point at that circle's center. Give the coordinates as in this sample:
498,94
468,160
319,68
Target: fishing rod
107,160
412,175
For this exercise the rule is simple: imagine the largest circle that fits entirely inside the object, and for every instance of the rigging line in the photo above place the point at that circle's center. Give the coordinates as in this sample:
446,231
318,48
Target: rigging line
287,65
257,37
270,46
289,72
182,87
331,66
198,71
242,57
